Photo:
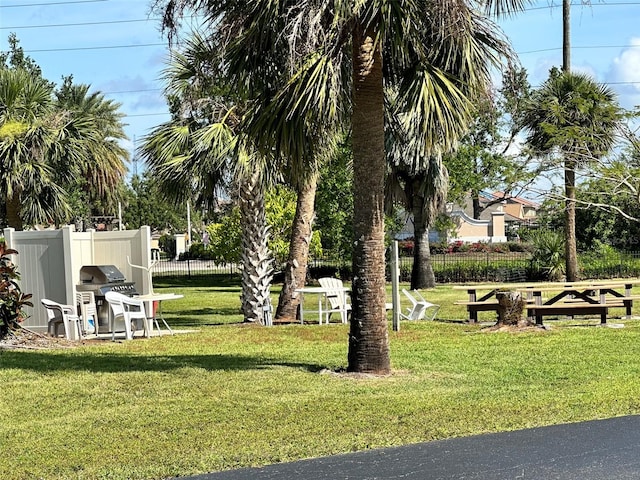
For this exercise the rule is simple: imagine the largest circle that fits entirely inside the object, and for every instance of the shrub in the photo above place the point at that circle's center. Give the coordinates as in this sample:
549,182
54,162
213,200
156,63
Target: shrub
167,244
438,247
12,300
548,254
479,247
518,246
406,247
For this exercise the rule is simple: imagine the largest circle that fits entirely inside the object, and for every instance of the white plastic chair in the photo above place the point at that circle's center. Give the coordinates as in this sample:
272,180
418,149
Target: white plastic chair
419,306
64,315
127,309
337,297
88,312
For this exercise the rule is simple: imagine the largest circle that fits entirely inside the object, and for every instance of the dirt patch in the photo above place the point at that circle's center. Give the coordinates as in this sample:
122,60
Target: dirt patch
342,373
25,339
516,328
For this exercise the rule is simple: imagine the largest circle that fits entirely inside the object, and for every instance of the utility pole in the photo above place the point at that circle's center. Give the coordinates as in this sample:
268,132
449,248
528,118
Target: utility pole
135,158
566,35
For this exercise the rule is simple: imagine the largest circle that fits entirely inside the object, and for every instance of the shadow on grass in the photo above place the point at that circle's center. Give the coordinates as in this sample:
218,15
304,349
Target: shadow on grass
46,362
230,311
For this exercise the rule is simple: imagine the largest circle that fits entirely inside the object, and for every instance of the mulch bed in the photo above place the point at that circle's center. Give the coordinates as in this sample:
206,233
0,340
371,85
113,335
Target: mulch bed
25,339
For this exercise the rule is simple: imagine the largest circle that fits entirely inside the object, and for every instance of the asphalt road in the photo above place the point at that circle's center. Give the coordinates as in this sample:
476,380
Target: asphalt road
596,450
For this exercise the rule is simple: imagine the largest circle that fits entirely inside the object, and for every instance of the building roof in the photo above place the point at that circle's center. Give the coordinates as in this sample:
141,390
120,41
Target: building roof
522,201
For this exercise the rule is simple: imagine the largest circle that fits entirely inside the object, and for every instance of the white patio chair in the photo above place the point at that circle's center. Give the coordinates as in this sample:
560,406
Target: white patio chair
127,309
419,306
88,312
64,315
337,297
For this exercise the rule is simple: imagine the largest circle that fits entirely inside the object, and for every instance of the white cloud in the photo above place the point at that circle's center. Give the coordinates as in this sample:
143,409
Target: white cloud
626,66
624,74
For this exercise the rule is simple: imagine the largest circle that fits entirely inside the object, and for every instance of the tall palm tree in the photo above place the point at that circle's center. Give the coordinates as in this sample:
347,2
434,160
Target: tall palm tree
336,51
295,270
199,153
423,193
46,144
93,134
573,116
29,128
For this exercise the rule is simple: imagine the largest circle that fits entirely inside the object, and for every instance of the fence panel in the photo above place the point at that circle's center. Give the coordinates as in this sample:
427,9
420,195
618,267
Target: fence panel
447,267
192,268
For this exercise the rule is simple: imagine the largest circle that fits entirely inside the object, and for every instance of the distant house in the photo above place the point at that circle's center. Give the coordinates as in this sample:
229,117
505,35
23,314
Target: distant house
470,230
518,211
522,210
502,214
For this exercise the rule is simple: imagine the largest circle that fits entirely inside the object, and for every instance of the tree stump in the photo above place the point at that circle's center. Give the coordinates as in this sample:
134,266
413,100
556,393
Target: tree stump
510,308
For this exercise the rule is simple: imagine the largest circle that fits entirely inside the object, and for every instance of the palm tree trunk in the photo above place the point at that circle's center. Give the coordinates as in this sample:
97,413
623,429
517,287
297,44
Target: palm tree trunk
14,219
368,336
422,275
257,261
295,272
477,209
571,251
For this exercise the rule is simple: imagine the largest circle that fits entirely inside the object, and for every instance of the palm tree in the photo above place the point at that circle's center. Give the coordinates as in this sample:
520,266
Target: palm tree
423,193
573,116
336,51
93,135
295,270
200,153
28,129
303,176
47,144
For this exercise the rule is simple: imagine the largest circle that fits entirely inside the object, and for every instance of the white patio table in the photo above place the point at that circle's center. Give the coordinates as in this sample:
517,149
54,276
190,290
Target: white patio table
324,309
158,297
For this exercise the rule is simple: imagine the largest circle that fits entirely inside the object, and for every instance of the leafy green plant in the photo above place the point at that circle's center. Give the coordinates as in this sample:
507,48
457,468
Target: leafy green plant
548,254
12,300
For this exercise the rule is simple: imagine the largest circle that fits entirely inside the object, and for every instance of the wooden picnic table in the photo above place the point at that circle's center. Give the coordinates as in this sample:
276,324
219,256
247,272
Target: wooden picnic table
571,298
486,301
581,298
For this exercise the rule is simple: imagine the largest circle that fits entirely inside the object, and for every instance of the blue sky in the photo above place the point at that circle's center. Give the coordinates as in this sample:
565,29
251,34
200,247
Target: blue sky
115,46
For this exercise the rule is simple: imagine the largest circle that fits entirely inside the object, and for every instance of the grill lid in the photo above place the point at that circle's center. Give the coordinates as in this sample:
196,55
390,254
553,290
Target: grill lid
95,274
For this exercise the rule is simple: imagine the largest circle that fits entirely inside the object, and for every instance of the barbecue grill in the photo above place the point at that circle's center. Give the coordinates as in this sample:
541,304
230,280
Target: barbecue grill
101,279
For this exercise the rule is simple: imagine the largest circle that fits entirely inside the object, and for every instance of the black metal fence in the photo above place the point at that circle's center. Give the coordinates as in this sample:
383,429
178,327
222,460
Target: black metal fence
448,267
193,268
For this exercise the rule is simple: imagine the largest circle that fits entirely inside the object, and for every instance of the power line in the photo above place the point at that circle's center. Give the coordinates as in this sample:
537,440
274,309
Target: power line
584,47
106,47
608,4
134,91
52,3
83,24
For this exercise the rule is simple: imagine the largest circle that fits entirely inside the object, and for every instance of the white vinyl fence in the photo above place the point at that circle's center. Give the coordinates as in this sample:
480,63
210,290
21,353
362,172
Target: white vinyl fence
49,262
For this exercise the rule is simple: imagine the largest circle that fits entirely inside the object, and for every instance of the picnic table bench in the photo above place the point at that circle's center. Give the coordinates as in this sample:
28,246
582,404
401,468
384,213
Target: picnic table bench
570,298
482,303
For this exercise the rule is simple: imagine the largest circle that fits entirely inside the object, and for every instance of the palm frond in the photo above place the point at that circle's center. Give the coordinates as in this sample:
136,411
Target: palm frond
312,103
433,112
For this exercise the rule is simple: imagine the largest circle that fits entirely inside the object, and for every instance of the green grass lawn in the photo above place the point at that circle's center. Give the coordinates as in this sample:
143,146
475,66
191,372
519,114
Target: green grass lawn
233,395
